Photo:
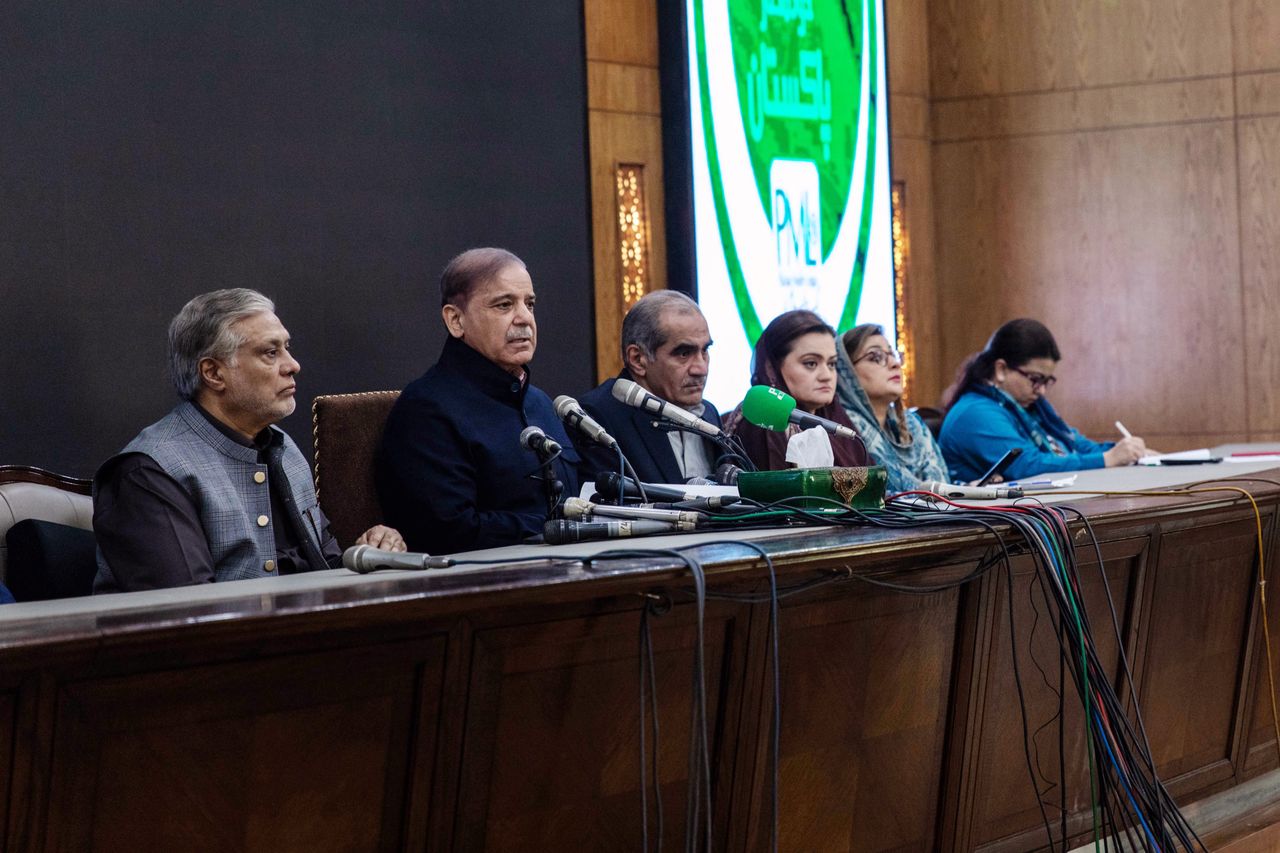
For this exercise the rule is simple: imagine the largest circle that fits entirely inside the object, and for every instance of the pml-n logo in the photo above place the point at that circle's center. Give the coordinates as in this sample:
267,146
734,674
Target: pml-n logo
797,229
787,104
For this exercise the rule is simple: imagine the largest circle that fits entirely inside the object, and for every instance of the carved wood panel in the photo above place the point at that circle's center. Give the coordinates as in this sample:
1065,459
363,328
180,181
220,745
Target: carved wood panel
8,748
865,694
1261,751
1005,801
300,752
1192,676
551,757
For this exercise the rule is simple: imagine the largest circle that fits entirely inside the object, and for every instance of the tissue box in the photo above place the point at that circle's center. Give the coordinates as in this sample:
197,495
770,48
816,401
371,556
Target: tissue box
856,487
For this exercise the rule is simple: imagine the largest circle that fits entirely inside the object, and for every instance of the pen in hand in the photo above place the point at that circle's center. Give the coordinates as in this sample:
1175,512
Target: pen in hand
1128,450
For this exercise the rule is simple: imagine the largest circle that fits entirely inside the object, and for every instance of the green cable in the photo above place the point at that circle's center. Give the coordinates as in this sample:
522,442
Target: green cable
1060,566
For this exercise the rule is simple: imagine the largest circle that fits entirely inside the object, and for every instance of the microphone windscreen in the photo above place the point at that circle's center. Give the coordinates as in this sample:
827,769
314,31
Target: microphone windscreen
351,558
768,407
727,474
528,434
610,486
626,391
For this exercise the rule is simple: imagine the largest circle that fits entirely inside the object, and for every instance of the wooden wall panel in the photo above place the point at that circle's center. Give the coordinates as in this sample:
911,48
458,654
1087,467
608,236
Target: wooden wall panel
1256,33
907,35
1003,46
624,126
912,165
623,31
1110,168
1258,94
1260,260
619,88
1083,109
907,46
1109,238
622,137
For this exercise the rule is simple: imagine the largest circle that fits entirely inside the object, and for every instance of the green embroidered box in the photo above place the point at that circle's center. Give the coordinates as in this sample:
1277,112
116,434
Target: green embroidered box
857,487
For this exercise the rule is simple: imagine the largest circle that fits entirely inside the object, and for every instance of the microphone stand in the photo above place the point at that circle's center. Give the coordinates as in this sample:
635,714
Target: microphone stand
551,484
625,469
728,443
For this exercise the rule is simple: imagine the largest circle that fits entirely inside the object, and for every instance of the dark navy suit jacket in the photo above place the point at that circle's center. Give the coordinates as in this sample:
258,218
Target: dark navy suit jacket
451,473
648,449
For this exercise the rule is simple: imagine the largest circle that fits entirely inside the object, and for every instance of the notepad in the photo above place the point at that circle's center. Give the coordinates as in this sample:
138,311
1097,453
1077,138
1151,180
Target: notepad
1183,457
1043,483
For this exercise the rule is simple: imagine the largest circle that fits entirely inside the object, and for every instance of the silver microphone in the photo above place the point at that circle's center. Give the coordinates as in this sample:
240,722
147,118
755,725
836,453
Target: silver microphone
577,509
366,558
973,493
533,438
626,391
569,411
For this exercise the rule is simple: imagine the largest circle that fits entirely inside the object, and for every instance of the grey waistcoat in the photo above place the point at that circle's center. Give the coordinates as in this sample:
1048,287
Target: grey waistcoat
218,473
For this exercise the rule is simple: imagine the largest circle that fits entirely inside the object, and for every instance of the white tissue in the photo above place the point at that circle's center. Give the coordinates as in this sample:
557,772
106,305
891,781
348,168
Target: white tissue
811,448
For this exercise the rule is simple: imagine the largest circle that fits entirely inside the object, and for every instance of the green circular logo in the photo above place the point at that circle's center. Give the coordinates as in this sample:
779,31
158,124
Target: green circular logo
787,99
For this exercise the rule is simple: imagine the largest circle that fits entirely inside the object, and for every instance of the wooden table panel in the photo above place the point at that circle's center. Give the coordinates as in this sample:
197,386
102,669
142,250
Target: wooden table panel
1006,802
864,706
499,708
551,756
1192,677
300,752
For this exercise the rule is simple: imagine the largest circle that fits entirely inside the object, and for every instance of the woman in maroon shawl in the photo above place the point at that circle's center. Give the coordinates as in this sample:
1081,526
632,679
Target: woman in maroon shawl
796,354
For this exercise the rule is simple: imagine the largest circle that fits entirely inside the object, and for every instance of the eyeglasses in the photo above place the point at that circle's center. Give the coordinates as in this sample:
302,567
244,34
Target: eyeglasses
880,356
1037,380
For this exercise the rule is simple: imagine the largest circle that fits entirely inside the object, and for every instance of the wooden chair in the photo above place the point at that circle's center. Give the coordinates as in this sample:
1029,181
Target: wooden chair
347,429
932,418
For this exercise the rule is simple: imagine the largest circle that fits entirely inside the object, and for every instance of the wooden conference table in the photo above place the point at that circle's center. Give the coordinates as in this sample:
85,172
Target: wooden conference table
498,708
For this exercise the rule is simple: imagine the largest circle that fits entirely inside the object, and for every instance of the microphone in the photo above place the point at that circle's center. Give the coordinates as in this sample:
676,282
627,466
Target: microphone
976,493
715,503
577,508
365,558
727,474
569,411
560,532
610,486
533,438
626,391
773,409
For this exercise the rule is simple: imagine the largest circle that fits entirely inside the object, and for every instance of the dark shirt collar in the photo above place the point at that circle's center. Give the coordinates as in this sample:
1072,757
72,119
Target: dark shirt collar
261,441
492,380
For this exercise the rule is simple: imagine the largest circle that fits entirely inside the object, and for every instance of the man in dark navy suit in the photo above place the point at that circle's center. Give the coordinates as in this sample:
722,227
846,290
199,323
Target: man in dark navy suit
665,350
452,469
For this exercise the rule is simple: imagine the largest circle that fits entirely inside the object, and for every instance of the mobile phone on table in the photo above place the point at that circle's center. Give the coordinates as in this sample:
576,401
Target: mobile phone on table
1001,464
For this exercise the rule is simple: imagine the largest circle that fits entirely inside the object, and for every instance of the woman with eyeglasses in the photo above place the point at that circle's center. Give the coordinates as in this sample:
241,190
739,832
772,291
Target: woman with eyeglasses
796,354
870,391
998,403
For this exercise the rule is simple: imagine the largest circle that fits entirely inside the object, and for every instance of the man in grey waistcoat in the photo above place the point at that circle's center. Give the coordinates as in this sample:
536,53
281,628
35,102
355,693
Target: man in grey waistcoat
213,491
